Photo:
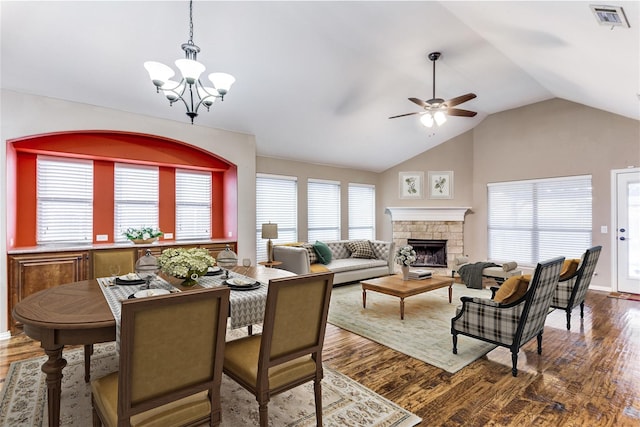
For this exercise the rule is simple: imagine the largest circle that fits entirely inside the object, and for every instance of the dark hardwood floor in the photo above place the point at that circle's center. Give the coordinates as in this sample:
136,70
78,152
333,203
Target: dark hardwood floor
589,376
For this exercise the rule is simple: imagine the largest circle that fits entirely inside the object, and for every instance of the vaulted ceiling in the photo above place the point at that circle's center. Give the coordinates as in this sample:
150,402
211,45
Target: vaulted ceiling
317,81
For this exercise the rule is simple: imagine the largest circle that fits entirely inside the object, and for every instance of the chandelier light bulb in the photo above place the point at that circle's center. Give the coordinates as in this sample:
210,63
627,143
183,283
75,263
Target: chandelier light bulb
208,95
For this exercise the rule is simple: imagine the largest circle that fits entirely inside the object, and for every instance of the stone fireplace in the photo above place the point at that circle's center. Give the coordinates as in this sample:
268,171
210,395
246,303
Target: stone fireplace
439,231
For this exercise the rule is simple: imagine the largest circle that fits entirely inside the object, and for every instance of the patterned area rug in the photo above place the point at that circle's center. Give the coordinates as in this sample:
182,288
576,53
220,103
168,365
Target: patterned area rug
346,403
425,332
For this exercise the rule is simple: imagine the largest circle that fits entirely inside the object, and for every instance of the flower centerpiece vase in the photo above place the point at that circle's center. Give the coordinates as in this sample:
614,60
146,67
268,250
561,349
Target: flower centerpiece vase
405,272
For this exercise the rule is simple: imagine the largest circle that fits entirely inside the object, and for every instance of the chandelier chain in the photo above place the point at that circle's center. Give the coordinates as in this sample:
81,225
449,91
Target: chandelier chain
190,21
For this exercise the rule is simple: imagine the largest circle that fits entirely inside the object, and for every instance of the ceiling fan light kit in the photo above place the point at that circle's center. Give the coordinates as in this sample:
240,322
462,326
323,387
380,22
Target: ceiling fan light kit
437,109
189,89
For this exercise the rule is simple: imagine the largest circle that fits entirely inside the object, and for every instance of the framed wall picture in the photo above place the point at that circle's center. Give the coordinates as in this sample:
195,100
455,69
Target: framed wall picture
441,185
411,185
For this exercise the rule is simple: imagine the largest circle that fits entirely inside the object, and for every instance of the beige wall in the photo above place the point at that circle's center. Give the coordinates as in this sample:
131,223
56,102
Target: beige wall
549,139
304,171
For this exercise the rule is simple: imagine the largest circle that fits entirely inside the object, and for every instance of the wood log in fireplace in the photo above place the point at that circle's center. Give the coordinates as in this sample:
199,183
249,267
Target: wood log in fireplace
429,253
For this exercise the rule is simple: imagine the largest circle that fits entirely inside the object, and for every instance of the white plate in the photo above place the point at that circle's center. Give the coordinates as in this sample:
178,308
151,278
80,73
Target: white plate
130,276
241,282
150,293
213,269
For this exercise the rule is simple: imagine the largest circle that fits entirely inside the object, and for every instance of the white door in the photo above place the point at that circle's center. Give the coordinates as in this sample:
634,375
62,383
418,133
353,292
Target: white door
628,231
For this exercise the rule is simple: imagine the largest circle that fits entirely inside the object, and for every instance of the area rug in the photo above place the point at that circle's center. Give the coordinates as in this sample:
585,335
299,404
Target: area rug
623,295
345,402
425,332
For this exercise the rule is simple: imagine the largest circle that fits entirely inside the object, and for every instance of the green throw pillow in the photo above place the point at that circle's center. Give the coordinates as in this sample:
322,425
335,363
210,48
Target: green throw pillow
323,251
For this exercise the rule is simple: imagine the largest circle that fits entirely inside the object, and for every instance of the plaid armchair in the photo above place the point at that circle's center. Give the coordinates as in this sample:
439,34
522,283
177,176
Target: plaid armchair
572,290
510,325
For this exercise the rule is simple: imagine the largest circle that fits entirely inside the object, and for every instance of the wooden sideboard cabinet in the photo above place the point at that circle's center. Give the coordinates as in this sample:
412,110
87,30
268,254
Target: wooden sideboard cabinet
30,272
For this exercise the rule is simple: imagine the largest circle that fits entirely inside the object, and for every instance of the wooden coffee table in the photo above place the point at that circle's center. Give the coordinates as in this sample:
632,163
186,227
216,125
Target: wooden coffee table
395,286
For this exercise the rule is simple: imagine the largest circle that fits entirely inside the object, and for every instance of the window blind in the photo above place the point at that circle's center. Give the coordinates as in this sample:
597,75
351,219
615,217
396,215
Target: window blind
535,220
193,205
362,211
136,198
64,200
323,210
276,202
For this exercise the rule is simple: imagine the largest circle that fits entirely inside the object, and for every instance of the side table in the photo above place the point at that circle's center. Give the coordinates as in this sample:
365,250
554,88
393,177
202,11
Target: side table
270,264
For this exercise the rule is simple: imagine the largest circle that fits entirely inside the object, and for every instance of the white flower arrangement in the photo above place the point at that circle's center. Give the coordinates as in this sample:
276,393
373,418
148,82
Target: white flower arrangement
143,233
405,255
184,263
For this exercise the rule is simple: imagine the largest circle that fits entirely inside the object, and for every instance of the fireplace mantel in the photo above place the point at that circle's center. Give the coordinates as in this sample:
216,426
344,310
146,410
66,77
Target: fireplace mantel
427,214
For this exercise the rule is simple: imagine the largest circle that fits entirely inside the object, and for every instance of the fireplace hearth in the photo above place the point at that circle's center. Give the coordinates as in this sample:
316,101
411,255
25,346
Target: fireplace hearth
429,253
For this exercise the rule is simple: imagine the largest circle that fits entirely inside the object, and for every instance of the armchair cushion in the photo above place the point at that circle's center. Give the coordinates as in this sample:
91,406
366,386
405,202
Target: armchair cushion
360,249
323,251
569,268
512,289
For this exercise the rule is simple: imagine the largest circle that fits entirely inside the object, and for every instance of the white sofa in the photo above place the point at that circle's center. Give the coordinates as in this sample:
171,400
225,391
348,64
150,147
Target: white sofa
345,268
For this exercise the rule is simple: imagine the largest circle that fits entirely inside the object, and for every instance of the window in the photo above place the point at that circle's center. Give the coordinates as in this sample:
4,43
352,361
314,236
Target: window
193,205
323,210
362,211
136,198
276,202
64,200
531,221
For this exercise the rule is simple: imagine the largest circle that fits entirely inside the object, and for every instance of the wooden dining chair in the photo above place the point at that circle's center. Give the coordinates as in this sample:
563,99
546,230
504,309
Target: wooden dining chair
288,353
171,353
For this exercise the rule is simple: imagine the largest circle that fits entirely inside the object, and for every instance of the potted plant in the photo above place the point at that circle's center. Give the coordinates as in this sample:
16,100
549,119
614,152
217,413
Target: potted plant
143,234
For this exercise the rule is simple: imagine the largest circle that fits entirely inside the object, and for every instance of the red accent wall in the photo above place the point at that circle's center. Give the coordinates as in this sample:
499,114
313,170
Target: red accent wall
105,148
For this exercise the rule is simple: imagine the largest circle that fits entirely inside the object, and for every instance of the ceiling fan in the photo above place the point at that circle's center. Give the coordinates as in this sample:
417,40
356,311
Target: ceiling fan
437,109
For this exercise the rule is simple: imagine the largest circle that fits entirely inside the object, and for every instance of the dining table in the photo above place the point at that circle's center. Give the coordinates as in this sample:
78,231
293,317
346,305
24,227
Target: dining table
79,314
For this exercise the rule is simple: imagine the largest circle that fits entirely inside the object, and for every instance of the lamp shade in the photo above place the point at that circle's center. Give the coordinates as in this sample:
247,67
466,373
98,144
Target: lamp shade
440,118
158,72
190,69
222,82
269,231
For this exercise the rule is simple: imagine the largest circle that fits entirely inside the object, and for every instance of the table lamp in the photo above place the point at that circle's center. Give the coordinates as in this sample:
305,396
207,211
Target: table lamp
270,231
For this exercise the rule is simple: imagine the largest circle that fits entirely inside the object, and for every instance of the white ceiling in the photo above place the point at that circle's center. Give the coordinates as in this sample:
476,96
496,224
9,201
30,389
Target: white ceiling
317,81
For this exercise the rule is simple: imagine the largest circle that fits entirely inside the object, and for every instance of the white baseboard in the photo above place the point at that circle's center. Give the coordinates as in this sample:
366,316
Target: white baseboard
601,288
5,335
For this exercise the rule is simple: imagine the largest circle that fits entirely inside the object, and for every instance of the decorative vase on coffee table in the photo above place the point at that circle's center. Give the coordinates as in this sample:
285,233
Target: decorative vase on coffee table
405,272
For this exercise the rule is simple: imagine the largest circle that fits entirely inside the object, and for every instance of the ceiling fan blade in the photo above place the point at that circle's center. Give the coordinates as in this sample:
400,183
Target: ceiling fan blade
420,102
459,112
460,99
402,115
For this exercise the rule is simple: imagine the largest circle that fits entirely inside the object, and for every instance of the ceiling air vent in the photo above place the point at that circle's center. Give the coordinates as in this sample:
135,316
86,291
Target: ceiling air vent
611,16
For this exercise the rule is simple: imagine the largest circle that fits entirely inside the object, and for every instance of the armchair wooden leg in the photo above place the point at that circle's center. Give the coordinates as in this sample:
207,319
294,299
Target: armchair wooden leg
455,343
514,363
568,319
539,343
582,310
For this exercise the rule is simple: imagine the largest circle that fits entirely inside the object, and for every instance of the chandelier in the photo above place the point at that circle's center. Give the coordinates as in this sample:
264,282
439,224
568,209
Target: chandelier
190,89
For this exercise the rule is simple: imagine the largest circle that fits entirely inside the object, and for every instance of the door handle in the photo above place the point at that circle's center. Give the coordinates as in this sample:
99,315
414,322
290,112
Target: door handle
622,230
622,238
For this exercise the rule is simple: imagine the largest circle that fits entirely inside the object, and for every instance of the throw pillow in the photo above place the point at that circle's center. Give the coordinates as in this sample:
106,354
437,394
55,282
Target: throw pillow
313,257
512,289
360,249
569,267
323,251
